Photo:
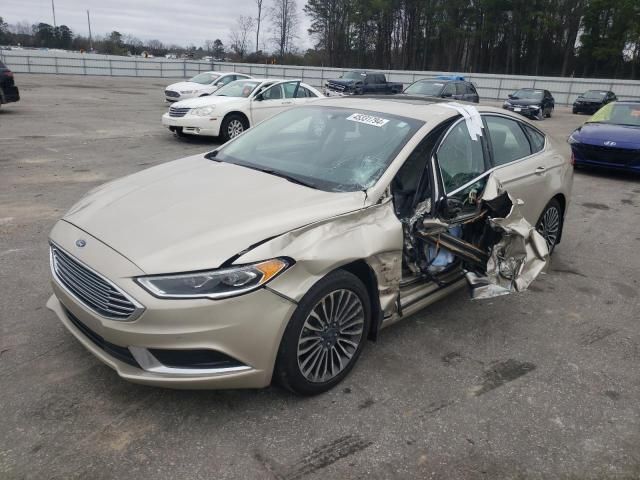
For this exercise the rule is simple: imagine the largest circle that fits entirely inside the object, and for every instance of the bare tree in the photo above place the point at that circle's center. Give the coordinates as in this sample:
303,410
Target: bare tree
208,46
239,38
284,16
258,20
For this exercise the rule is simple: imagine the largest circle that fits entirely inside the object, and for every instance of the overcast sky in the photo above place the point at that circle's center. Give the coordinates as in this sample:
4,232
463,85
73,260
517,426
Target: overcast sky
182,22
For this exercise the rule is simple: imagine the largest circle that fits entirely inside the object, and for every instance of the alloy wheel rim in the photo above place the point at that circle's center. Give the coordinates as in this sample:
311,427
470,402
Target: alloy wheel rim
330,336
550,226
235,128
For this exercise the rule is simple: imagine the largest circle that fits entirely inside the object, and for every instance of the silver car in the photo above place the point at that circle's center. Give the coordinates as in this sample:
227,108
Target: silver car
277,255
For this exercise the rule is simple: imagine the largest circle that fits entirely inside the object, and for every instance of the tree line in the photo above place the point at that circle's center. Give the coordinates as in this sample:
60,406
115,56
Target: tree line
585,38
529,37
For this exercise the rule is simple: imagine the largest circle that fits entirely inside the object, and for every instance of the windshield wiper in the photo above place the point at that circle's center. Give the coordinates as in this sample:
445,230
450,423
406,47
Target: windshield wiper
280,174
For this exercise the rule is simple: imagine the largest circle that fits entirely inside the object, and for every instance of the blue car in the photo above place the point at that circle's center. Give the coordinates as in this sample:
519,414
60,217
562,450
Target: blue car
610,138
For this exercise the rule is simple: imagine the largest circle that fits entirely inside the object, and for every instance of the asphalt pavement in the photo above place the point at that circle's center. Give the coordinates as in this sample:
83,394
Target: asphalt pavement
543,384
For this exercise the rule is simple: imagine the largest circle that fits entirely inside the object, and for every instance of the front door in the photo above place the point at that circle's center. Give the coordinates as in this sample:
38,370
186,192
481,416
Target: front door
275,99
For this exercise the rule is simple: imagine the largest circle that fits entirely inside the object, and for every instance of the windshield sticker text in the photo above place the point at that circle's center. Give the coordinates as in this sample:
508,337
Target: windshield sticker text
368,119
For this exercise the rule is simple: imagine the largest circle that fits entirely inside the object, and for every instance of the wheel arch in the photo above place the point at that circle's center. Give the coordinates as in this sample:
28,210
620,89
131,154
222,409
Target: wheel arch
366,274
239,113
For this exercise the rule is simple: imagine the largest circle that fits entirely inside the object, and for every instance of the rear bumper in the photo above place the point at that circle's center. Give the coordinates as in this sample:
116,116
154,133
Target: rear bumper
9,94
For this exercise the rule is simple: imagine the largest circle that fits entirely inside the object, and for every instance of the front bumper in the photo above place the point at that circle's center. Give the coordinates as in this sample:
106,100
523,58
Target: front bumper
604,157
193,125
586,108
334,93
9,94
247,329
527,111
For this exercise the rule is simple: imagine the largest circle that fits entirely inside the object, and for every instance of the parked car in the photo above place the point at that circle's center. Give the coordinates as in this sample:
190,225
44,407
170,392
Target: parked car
236,107
361,83
201,85
8,90
592,100
454,87
610,139
278,254
531,102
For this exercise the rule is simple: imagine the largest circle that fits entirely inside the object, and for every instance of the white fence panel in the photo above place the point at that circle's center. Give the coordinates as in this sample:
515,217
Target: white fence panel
489,86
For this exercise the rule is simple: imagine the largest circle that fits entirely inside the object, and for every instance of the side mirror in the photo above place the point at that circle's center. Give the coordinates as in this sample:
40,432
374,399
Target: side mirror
219,84
447,95
450,207
258,98
510,95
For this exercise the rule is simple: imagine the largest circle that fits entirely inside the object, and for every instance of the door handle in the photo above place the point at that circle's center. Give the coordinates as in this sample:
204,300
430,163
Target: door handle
540,170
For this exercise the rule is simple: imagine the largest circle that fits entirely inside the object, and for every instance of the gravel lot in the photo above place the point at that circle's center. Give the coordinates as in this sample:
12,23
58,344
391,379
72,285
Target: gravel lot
544,384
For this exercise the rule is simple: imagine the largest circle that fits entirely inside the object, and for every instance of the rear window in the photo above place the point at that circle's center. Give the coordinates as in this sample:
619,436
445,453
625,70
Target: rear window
508,140
537,139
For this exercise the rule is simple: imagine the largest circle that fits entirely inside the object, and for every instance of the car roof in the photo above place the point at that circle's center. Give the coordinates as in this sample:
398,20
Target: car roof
407,106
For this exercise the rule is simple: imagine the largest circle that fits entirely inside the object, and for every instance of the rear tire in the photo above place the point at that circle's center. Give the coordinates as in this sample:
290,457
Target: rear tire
325,335
232,126
550,224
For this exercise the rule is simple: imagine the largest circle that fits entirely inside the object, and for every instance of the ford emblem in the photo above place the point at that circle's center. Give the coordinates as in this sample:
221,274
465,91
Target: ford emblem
610,143
80,243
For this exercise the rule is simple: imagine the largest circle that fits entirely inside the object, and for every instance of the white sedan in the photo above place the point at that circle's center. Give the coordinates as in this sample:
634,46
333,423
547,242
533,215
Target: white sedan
237,107
201,85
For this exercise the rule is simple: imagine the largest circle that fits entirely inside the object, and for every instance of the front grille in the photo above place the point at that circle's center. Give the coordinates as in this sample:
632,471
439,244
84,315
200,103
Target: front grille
121,353
336,86
610,155
178,112
90,288
171,93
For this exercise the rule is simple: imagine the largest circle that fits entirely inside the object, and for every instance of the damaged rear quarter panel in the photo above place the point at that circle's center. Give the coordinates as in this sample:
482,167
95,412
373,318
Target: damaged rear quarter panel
373,234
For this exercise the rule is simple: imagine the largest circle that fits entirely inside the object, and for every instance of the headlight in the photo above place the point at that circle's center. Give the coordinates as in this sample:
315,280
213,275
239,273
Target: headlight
215,284
535,107
506,104
572,140
203,111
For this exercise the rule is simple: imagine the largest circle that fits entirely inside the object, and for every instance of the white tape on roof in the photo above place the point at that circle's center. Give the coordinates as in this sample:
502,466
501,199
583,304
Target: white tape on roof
471,117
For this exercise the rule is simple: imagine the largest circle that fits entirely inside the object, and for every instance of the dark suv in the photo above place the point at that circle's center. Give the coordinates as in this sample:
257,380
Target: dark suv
454,87
8,90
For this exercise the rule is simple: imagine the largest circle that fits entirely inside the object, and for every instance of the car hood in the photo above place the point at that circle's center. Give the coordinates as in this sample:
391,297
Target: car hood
599,133
523,102
342,81
186,86
194,213
208,100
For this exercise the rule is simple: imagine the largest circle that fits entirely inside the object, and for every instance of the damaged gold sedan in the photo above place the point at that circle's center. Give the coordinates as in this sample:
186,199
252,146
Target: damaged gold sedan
280,253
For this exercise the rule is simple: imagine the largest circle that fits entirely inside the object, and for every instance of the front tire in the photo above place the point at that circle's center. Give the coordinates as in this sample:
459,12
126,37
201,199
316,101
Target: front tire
232,126
550,224
325,335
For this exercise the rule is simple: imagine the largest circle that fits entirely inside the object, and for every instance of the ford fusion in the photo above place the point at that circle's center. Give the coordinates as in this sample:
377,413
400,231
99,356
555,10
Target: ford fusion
610,138
279,254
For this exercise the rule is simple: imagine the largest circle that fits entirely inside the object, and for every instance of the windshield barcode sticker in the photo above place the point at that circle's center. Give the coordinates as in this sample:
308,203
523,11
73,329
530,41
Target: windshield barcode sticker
368,119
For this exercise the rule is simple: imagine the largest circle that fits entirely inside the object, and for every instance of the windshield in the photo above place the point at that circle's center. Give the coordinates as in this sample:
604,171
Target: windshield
618,114
239,88
328,148
528,94
594,95
353,75
425,87
205,78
